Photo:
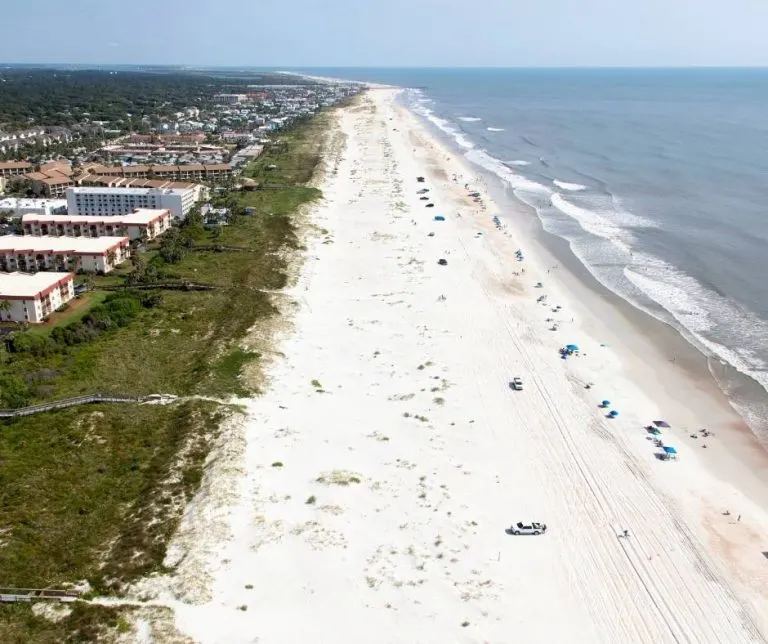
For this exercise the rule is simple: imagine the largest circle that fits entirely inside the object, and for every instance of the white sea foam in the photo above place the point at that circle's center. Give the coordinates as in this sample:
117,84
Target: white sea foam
518,162
611,225
516,181
495,129
572,187
704,314
445,126
469,119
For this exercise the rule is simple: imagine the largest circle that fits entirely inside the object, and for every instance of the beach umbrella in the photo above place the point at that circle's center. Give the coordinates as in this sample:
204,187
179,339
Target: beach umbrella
661,423
669,449
572,347
605,403
613,413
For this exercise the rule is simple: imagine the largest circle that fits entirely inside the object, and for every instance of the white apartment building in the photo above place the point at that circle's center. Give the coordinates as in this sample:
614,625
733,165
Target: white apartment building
146,224
34,297
30,254
18,207
101,202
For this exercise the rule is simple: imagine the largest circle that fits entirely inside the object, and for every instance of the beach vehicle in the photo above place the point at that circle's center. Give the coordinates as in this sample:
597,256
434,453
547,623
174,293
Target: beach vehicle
423,198
527,528
430,234
423,191
430,205
442,262
420,179
539,285
516,384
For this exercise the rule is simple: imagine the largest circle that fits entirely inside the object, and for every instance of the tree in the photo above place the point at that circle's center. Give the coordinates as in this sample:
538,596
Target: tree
5,307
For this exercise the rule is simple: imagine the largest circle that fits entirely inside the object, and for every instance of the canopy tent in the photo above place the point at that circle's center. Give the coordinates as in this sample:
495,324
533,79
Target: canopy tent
669,452
572,347
661,423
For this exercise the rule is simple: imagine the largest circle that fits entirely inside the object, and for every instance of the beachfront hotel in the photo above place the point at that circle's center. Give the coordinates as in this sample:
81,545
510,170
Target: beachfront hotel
32,298
30,254
108,202
143,224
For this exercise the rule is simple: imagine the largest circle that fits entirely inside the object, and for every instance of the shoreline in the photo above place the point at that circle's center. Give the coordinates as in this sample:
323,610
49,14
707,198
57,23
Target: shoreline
736,442
373,480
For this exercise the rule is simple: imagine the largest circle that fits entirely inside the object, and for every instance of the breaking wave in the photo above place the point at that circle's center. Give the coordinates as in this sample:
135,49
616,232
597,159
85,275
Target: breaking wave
573,187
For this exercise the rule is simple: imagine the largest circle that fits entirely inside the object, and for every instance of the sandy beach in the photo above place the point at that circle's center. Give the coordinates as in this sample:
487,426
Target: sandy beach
365,496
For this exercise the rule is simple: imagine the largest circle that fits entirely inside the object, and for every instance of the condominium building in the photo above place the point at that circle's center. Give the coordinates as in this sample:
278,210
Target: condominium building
183,172
14,168
33,298
30,254
108,202
142,224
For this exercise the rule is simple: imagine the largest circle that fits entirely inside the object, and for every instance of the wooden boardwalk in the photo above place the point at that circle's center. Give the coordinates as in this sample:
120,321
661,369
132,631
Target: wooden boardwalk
11,595
90,399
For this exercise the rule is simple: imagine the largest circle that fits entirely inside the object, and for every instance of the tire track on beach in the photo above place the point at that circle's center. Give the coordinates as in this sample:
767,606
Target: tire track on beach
656,590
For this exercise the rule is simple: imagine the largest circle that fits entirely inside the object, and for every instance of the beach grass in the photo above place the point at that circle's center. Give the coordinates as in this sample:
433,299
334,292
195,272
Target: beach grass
94,493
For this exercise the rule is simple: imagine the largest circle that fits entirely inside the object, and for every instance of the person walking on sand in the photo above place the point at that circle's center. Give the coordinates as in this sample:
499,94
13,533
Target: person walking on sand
625,534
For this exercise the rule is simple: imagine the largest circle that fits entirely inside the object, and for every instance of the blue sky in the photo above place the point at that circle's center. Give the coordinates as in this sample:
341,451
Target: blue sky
282,33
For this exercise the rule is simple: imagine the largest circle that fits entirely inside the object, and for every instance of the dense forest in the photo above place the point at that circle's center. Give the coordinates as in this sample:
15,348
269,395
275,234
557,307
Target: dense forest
60,97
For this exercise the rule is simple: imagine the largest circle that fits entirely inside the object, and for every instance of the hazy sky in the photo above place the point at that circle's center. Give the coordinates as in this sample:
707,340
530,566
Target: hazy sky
282,33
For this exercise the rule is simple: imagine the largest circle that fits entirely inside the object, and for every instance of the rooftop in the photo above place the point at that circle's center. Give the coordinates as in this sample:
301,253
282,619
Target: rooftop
12,165
96,190
19,202
30,285
71,245
141,216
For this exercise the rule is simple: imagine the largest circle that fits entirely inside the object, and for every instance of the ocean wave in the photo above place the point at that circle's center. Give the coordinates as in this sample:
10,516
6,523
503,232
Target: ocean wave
709,317
495,129
469,119
502,170
517,162
613,225
572,187
445,126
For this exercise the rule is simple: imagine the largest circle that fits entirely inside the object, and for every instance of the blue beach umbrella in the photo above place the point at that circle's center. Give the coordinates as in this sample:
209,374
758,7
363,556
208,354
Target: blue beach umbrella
572,347
605,403
613,413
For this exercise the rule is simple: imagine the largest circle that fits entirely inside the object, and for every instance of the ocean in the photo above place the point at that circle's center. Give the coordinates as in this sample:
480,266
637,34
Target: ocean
656,178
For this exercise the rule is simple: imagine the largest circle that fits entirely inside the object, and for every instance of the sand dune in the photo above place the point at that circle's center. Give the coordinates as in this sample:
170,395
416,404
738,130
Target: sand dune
404,454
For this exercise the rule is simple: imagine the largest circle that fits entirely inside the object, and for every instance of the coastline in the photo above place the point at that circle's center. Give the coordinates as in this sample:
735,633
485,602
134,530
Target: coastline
372,482
670,361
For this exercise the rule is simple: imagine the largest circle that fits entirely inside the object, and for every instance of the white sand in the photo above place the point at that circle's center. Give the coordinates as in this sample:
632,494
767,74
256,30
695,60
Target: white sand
415,404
